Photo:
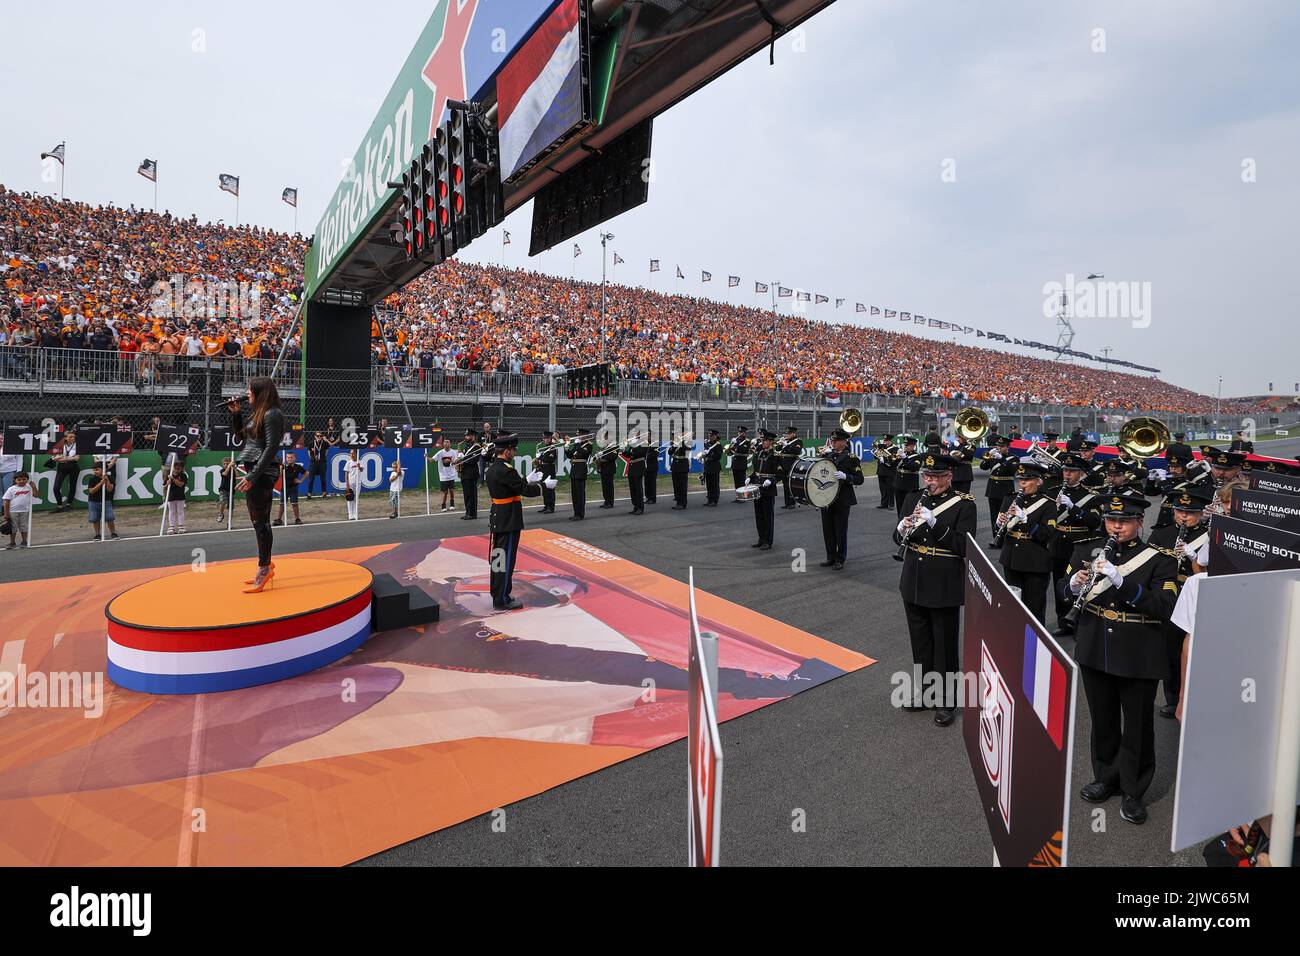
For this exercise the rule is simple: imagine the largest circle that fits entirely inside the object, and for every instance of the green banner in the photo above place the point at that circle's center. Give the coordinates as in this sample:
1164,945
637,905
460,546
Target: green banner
137,478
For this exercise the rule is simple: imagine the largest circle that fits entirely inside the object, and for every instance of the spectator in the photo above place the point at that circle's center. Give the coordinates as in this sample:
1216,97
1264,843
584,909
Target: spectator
176,498
99,498
18,510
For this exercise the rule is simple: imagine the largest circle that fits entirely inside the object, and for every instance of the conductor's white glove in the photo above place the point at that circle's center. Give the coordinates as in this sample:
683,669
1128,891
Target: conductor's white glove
840,475
550,482
534,477
1112,574
926,515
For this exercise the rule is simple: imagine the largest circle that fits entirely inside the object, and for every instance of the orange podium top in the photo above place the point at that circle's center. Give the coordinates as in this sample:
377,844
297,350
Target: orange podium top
214,597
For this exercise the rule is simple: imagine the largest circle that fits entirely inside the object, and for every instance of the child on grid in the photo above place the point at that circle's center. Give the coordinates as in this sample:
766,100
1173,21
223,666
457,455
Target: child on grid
446,458
291,476
100,493
17,509
176,499
223,490
352,483
395,475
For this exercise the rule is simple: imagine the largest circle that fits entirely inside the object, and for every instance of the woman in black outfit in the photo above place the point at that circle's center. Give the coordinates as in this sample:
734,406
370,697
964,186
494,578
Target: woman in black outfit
261,427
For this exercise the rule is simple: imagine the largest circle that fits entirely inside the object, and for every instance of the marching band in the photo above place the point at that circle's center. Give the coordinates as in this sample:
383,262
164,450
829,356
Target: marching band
1064,523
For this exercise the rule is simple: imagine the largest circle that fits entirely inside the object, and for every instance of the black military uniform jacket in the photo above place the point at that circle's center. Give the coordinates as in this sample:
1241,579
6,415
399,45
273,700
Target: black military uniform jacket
713,458
1079,523
1002,473
1095,477
547,456
469,464
1171,488
505,487
1194,537
907,473
740,449
606,464
790,450
851,465
767,465
578,458
636,461
886,463
650,455
679,457
1121,631
1028,546
963,453
934,565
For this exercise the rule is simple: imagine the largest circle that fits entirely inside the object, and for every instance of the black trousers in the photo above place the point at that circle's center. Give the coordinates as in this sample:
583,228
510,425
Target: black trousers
258,500
66,470
737,475
789,495
886,491
469,495
317,471
713,486
1123,729
548,495
1063,604
651,482
636,488
835,532
501,561
1033,590
607,487
680,479
995,509
578,490
1174,682
765,517
934,633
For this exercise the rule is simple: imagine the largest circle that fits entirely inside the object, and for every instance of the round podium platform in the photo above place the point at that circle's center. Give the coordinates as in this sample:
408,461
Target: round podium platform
196,632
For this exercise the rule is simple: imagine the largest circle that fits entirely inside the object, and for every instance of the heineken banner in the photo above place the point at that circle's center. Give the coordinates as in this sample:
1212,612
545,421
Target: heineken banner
1269,508
1238,547
457,53
1017,718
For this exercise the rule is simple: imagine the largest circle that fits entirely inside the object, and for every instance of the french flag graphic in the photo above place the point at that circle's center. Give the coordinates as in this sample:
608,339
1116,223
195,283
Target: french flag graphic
539,92
1044,685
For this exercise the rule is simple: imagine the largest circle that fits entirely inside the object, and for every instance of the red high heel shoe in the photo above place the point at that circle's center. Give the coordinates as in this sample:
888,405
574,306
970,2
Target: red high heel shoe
253,580
265,582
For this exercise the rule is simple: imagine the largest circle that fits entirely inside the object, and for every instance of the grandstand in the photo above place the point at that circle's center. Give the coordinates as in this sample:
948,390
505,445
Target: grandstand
101,281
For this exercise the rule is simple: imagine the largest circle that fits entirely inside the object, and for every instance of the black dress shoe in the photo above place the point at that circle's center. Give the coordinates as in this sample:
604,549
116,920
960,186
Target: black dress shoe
575,518
468,517
827,564
607,506
944,717
766,547
511,605
1097,792
1131,809
679,507
1168,711
837,566
710,504
637,511
757,545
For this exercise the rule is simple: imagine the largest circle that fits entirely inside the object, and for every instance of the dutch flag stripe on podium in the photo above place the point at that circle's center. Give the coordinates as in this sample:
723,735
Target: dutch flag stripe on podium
1044,685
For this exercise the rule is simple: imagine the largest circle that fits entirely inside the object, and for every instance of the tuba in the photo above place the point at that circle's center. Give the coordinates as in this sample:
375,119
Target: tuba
971,424
1144,437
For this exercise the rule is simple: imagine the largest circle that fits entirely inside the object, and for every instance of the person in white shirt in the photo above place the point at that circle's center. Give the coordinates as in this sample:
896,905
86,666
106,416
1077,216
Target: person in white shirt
395,476
352,484
446,458
18,509
10,465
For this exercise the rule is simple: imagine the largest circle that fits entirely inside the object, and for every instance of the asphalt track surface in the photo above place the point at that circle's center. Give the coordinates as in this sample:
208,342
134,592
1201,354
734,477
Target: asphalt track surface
876,785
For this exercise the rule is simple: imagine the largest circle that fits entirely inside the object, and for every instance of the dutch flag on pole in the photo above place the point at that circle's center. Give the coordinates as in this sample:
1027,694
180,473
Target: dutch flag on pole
539,92
1044,684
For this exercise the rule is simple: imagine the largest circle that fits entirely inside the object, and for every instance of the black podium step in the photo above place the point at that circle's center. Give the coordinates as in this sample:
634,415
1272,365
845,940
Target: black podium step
394,605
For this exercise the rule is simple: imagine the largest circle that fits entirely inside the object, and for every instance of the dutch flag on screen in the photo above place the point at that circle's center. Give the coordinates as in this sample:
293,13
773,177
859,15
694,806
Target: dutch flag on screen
1044,684
539,92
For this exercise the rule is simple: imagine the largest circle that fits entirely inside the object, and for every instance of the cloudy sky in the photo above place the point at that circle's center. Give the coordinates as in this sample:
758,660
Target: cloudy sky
946,158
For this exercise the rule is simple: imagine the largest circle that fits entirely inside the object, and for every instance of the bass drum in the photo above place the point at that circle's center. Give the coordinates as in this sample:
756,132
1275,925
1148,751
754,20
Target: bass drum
813,480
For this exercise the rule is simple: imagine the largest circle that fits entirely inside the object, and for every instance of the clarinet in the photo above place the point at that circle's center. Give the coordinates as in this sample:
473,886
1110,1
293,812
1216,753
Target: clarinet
907,536
1001,533
1180,538
1073,615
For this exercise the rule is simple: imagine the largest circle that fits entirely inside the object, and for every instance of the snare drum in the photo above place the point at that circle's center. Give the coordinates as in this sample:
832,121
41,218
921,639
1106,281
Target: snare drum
813,480
748,492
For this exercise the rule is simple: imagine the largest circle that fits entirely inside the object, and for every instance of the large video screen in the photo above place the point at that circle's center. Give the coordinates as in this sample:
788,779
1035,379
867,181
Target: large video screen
543,92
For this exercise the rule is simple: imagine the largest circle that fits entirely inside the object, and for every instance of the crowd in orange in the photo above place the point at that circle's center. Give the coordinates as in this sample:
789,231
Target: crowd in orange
133,281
